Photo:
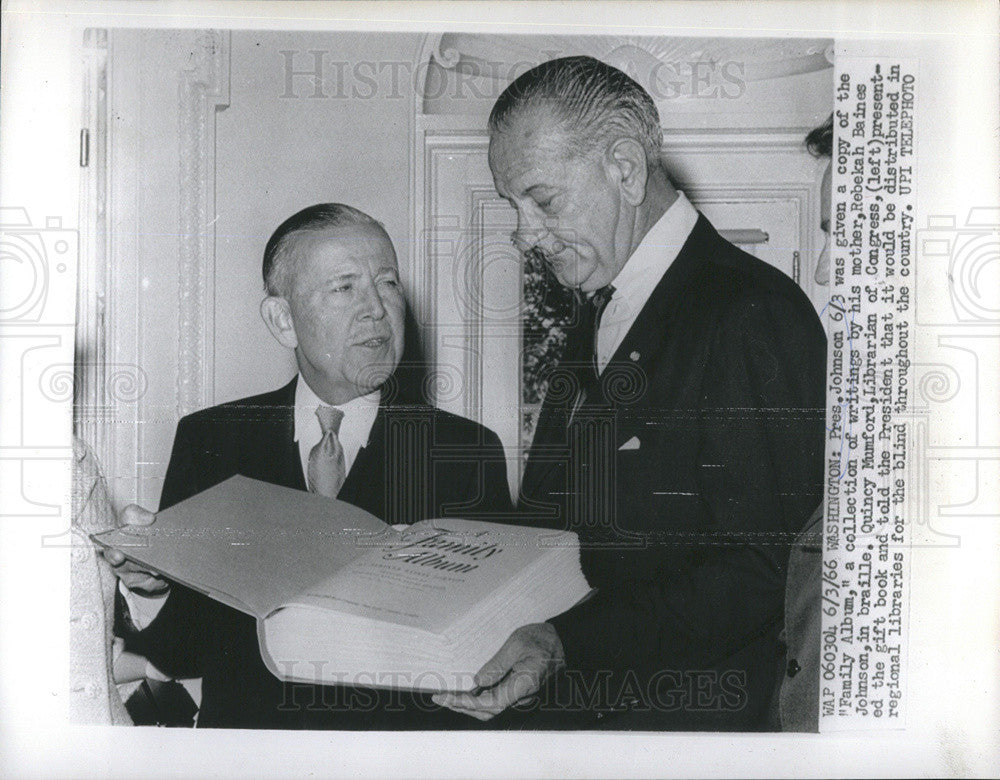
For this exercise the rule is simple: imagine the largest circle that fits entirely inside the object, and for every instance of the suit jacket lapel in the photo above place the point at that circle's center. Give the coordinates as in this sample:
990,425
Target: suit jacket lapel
645,339
392,476
365,484
270,451
648,334
548,444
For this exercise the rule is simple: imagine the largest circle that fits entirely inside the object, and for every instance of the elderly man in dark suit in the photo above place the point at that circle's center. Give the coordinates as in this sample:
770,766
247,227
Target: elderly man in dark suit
347,426
681,435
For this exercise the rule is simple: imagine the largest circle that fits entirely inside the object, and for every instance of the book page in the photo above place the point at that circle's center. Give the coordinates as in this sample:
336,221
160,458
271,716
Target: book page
250,544
432,575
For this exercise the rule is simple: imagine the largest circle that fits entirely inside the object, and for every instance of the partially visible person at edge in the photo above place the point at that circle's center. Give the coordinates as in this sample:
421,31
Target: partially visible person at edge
795,706
819,142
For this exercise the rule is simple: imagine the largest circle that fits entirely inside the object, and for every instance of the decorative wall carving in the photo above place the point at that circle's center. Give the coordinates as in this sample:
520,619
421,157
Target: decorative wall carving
670,68
204,89
122,253
763,58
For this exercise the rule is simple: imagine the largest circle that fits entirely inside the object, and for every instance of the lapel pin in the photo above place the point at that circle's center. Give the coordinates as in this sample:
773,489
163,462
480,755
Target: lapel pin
634,356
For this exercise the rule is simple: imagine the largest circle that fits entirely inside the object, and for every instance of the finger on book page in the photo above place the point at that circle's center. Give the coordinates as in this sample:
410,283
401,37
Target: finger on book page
526,648
134,514
523,681
112,556
520,684
477,714
469,703
494,670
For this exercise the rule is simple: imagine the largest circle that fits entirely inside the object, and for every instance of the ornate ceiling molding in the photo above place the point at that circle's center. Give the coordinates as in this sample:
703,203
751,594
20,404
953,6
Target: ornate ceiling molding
667,67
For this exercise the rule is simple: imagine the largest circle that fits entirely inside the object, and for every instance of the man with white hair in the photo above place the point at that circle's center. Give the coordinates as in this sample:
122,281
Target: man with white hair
682,433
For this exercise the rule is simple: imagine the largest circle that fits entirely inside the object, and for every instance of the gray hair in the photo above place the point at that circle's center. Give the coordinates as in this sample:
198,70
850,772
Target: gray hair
277,255
592,99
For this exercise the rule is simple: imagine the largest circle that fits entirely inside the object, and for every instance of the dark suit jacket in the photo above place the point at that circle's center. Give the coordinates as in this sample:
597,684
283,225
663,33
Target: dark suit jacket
687,479
419,463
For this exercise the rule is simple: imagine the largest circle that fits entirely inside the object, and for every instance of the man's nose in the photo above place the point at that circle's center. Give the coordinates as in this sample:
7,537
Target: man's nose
373,307
527,238
530,218
822,273
543,241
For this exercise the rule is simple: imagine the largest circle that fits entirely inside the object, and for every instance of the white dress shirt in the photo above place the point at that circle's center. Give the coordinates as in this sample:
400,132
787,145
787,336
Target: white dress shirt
641,273
359,416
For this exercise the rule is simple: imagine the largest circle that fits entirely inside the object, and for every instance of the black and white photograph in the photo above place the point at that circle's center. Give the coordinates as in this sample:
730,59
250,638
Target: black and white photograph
412,383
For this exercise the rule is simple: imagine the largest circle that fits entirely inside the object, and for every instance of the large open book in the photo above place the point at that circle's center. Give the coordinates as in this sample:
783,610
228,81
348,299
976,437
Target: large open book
341,597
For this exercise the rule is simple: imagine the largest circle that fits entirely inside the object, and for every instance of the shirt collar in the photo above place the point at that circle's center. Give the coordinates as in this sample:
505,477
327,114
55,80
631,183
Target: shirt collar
655,253
359,413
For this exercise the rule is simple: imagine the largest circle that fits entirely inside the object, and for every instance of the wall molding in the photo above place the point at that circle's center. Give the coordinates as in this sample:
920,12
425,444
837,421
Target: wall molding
204,90
92,286
464,70
119,407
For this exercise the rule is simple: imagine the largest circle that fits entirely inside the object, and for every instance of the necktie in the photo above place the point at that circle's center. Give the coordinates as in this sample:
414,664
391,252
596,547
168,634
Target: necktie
598,303
326,471
589,379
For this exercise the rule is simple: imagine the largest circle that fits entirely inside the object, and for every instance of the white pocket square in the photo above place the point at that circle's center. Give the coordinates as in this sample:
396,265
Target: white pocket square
631,444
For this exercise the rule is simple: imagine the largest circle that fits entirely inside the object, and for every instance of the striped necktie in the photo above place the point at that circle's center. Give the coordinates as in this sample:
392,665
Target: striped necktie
326,470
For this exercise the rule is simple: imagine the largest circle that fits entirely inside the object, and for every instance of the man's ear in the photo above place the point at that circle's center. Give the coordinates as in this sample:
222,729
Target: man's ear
628,161
277,316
